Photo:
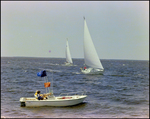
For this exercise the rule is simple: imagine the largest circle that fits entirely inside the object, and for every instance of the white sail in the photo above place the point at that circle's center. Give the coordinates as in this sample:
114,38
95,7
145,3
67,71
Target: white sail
90,55
68,55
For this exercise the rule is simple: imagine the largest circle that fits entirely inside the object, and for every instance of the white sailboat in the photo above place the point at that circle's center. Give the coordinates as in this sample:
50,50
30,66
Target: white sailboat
69,61
91,58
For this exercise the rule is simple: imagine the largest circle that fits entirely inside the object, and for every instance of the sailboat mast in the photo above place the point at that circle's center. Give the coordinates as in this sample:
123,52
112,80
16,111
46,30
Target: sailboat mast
52,81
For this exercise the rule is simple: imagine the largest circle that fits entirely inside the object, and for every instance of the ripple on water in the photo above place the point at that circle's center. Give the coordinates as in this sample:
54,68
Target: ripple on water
122,92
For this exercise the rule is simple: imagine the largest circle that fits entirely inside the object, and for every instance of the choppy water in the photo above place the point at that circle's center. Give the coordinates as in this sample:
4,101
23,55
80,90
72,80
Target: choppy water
123,90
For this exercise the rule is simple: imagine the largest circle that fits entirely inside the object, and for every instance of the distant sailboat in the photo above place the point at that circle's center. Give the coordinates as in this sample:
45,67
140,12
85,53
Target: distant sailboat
91,58
69,61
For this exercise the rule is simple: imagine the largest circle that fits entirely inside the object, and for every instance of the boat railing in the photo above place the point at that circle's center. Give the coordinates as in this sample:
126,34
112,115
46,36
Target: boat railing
73,93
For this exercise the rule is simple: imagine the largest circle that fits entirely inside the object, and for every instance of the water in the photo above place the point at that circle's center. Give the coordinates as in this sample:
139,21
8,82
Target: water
123,90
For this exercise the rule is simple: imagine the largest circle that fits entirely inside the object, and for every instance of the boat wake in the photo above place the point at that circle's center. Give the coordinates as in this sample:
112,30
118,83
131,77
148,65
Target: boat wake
59,71
53,64
76,72
46,63
50,70
67,65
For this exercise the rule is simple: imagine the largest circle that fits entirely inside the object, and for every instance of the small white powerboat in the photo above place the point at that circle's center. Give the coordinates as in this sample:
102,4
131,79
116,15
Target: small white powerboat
64,99
68,100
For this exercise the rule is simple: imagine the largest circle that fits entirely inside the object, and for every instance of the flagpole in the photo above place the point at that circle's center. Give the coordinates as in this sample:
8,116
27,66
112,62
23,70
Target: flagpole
52,82
48,87
45,82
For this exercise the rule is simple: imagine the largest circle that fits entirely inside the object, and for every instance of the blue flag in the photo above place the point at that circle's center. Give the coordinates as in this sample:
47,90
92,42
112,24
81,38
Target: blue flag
42,73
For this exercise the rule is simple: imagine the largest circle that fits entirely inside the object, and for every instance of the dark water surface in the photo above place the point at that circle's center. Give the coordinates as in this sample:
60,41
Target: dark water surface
123,90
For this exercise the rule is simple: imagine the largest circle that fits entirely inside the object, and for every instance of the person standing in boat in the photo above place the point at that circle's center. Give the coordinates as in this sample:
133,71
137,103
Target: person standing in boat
38,95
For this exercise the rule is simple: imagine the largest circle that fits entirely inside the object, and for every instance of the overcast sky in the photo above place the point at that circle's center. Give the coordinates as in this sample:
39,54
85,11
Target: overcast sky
119,29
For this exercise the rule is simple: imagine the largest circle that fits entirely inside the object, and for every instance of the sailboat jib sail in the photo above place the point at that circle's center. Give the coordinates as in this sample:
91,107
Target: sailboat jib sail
91,58
68,55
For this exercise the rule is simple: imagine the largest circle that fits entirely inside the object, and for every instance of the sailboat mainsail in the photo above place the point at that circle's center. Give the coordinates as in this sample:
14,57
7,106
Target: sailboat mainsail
68,55
90,55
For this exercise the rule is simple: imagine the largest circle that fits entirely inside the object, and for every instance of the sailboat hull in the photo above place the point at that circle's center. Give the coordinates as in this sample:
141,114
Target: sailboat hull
92,71
68,64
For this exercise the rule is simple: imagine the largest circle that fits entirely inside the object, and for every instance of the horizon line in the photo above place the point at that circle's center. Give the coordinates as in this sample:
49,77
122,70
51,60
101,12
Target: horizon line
72,58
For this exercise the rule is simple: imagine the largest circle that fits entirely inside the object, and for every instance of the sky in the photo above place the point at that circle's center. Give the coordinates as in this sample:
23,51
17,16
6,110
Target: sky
119,29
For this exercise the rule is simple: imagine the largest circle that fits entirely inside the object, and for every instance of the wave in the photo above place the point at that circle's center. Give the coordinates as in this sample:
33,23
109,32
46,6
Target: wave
50,70
68,65
52,64
76,72
134,102
118,75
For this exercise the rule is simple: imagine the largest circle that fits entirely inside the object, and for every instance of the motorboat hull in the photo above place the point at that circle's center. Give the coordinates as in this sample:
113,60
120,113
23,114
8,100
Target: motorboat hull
53,101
